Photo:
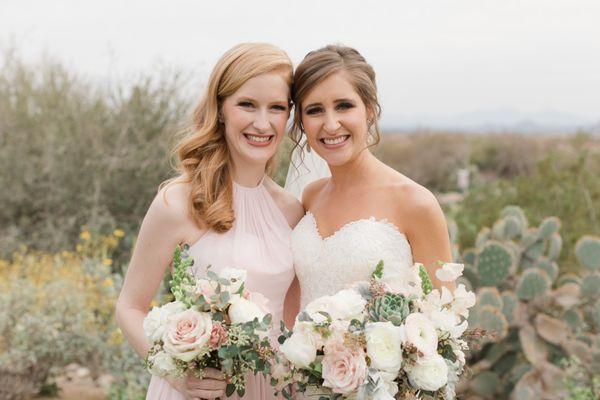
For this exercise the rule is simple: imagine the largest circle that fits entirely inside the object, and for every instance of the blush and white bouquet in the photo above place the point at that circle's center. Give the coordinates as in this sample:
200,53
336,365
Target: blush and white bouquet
392,337
213,322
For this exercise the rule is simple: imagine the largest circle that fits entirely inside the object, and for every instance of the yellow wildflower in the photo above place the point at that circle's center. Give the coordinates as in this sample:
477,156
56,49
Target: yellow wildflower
107,282
79,248
85,235
118,233
107,261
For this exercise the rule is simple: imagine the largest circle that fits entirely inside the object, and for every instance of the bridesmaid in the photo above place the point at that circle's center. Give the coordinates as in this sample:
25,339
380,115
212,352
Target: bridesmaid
222,203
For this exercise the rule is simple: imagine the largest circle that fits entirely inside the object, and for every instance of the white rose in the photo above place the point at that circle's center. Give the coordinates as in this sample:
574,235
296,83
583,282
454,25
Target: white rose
187,334
421,333
429,373
405,281
449,272
299,349
236,276
315,307
162,364
384,346
463,300
242,310
155,322
347,304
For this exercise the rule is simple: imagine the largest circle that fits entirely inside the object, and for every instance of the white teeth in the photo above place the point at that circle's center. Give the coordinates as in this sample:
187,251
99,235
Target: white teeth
335,141
259,139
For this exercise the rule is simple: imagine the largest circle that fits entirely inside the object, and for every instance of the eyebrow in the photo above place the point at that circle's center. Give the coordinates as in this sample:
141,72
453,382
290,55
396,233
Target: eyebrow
335,102
251,99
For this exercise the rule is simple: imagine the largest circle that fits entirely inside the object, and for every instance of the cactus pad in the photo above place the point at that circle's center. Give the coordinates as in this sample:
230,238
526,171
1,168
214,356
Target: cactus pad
469,256
536,250
550,267
482,237
493,263
509,306
590,286
513,227
548,227
486,384
515,211
489,296
568,278
533,282
587,251
595,315
573,318
555,246
492,320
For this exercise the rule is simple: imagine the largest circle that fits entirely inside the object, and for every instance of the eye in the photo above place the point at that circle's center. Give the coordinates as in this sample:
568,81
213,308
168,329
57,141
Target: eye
246,104
313,110
279,108
344,105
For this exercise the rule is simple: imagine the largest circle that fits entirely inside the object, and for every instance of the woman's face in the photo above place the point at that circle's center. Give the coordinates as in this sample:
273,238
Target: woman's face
334,118
255,117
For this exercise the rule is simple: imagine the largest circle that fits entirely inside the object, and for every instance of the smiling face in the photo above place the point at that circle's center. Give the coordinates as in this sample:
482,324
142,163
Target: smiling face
255,118
334,118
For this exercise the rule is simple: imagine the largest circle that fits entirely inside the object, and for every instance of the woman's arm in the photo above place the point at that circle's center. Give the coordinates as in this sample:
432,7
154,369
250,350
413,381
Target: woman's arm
161,231
425,226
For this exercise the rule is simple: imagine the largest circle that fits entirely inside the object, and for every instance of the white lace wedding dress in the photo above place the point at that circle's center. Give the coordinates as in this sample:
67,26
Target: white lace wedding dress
327,265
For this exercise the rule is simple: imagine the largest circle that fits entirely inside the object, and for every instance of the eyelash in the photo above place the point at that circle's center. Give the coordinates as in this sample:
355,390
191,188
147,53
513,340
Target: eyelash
340,106
248,104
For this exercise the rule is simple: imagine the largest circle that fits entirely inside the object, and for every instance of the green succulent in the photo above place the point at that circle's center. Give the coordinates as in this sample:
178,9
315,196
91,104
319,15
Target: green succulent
390,307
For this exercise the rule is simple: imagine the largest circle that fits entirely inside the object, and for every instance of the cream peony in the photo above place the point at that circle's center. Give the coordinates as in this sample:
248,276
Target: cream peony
318,305
242,310
343,370
449,272
429,373
347,304
420,332
187,334
236,276
162,364
299,349
155,322
384,346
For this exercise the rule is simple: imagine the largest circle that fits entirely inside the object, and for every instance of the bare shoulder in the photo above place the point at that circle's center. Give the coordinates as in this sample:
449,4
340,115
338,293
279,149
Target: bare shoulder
311,191
416,206
171,204
289,205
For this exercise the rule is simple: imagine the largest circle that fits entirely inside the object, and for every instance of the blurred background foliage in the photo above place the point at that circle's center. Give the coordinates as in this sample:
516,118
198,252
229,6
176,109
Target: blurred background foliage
81,161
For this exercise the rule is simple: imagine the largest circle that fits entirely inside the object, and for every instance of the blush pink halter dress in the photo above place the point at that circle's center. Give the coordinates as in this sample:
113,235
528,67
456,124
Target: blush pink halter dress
258,242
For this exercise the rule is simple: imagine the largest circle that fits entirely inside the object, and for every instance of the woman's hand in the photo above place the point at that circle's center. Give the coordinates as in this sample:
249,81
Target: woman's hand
210,387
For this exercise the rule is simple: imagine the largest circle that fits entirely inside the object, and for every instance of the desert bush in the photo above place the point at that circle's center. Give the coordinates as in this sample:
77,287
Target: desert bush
73,153
59,309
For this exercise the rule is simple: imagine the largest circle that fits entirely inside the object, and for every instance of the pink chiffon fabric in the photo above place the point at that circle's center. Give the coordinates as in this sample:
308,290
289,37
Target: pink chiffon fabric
258,242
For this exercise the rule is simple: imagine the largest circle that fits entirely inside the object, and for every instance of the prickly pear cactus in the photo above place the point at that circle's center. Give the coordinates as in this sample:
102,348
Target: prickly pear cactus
537,316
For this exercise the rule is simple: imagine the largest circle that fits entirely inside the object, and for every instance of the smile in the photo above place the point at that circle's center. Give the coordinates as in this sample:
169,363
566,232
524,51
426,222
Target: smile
334,141
259,139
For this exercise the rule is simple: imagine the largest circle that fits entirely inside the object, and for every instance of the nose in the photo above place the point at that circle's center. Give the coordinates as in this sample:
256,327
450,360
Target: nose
332,124
261,122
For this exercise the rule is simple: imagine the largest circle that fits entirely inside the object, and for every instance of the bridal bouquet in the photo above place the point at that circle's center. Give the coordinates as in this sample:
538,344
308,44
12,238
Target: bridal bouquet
213,322
391,336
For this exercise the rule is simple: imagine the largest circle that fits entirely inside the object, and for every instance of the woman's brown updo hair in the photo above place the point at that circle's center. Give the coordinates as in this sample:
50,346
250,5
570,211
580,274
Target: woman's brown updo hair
204,160
318,65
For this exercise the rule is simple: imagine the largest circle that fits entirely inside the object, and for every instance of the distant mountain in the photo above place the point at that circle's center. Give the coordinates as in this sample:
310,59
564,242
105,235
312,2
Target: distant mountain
497,120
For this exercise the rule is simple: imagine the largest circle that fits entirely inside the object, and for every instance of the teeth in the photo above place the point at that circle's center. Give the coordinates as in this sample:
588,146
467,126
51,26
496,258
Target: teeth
335,141
259,139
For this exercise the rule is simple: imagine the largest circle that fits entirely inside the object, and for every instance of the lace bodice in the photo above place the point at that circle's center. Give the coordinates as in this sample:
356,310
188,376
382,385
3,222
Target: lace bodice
327,265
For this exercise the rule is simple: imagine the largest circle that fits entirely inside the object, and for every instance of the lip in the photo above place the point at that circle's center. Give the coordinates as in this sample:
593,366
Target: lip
337,145
259,144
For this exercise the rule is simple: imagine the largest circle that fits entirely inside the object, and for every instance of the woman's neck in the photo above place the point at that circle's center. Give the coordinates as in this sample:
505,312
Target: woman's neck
355,172
248,174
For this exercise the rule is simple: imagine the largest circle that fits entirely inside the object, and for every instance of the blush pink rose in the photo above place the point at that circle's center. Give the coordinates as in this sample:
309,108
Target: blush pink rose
218,335
344,370
187,334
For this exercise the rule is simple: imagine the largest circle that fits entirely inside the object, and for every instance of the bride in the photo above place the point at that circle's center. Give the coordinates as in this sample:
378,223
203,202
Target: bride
366,211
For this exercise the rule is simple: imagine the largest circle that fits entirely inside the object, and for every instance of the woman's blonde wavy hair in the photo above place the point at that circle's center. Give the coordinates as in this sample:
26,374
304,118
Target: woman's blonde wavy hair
203,156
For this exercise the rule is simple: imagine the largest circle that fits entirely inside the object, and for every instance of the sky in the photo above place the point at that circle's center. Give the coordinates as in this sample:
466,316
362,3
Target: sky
436,60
